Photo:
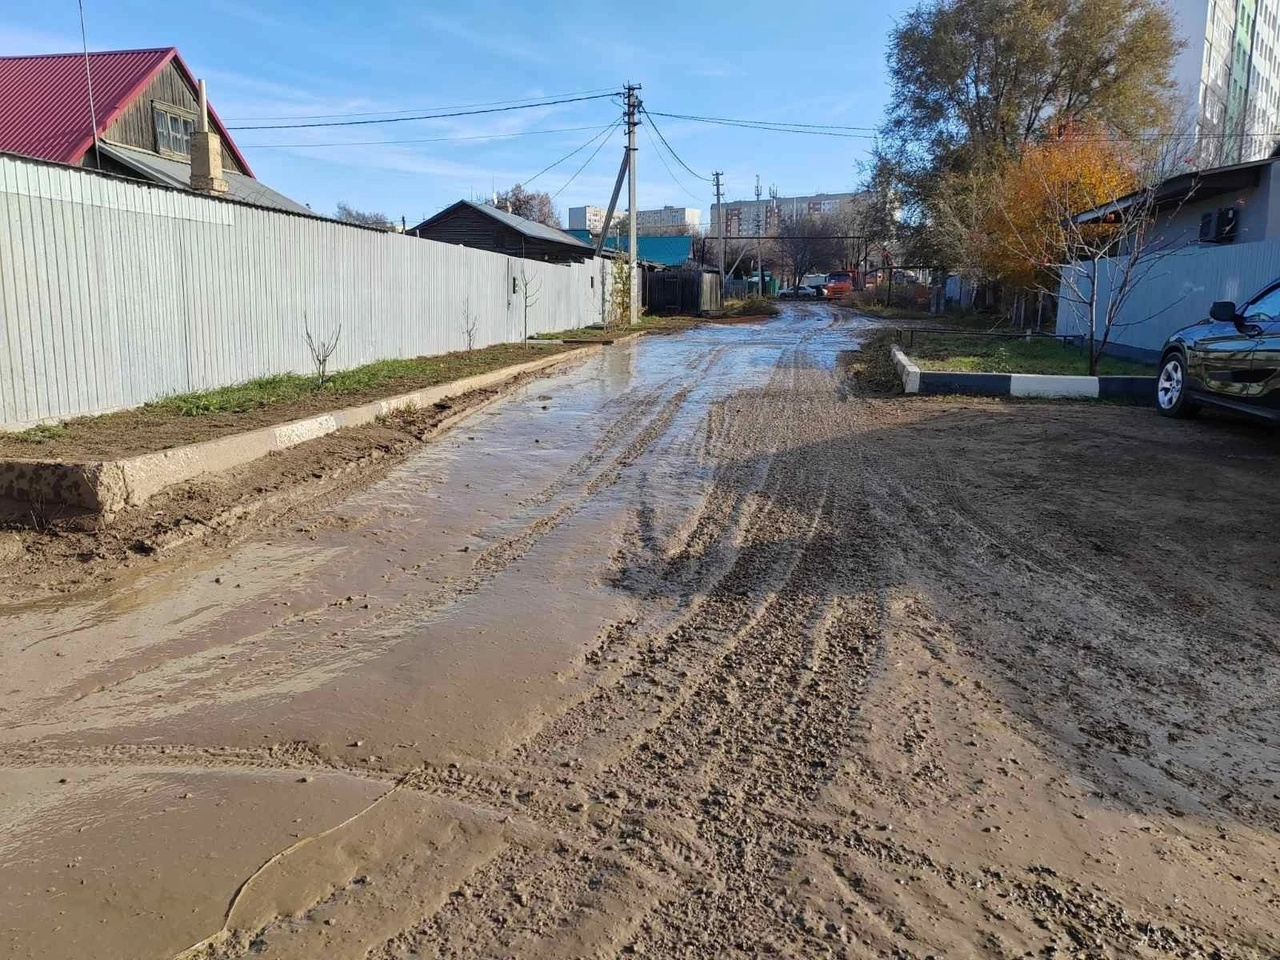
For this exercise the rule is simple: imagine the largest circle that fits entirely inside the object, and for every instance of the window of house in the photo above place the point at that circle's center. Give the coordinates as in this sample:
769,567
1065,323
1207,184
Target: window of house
173,130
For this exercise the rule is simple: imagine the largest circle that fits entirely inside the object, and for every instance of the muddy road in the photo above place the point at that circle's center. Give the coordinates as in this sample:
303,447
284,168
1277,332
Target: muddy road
691,651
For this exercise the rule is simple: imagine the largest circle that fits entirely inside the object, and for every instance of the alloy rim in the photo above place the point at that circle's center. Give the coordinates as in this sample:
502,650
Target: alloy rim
1169,389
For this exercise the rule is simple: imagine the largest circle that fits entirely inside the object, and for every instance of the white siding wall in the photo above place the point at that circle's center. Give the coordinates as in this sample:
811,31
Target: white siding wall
114,293
1177,291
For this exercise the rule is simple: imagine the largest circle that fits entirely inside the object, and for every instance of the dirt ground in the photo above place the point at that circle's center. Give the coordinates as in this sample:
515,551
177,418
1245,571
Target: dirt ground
695,651
63,555
146,429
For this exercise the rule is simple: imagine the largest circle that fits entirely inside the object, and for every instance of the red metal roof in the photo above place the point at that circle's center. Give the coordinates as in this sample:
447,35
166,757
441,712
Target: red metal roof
44,100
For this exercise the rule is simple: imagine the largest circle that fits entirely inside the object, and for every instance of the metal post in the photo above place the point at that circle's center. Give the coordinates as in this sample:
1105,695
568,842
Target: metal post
633,110
720,227
202,97
759,242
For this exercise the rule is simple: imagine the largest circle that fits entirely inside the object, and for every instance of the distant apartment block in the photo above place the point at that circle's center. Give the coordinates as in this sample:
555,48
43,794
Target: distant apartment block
1229,76
590,219
669,221
744,218
666,222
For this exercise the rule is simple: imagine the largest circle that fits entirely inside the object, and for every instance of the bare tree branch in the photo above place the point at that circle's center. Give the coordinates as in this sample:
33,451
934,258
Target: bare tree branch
321,350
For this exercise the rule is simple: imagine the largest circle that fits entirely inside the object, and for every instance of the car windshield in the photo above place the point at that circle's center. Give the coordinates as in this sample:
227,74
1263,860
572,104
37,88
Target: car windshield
1264,307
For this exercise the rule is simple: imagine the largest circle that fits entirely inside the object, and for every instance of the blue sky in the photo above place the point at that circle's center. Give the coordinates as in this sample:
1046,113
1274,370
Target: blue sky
806,62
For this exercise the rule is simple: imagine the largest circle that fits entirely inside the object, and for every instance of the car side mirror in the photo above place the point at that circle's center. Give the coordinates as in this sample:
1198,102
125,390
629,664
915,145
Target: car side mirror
1223,311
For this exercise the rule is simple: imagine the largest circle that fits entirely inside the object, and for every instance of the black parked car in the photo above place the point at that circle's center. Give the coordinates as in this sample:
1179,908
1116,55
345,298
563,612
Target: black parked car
1229,360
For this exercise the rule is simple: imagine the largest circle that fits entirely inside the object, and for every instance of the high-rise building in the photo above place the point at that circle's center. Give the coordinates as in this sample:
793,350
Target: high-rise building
668,221
741,216
588,218
1229,77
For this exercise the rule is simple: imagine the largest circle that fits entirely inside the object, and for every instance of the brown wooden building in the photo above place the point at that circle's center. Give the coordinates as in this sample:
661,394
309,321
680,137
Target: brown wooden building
485,227
145,106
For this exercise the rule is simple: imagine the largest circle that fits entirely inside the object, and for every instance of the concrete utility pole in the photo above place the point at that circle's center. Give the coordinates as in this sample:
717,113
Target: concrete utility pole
720,227
759,241
633,113
609,225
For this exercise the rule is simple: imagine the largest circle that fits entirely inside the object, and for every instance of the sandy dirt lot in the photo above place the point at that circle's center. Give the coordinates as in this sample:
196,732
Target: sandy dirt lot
693,651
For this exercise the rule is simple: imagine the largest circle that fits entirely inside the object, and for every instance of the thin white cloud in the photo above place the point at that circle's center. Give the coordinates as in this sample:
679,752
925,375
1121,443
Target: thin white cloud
19,41
249,14
715,71
509,46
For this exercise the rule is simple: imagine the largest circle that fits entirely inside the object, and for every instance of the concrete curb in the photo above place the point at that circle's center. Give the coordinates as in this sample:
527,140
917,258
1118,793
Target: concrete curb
934,382
907,370
107,487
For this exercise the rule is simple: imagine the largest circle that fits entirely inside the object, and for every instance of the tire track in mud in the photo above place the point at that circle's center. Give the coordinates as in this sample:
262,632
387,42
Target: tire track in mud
770,732
734,669
498,557
682,806
638,427
591,476
480,790
1052,599
746,702
634,410
694,573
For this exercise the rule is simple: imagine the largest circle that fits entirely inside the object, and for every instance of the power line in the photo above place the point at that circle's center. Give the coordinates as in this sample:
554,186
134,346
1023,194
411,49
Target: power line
586,163
769,127
389,113
674,155
776,123
88,79
575,150
432,116
812,129
667,166
818,129
482,136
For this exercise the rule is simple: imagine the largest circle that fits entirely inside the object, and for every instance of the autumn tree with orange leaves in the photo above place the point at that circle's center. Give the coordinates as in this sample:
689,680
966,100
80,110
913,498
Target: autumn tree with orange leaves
1020,223
1008,223
974,83
1027,227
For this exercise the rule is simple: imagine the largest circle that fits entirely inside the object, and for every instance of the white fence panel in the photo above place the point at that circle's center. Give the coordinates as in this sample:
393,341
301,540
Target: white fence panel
1176,291
113,293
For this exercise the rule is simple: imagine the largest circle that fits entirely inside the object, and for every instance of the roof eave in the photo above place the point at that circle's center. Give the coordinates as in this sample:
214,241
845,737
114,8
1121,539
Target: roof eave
1182,188
107,119
568,241
171,55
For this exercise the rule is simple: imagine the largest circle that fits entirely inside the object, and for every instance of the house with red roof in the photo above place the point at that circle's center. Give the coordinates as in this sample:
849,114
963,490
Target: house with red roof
144,109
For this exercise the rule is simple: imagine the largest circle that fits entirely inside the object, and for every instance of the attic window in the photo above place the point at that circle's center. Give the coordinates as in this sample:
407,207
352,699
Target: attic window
173,130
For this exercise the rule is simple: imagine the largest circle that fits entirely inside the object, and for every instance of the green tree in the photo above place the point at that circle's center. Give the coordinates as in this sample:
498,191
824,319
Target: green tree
974,81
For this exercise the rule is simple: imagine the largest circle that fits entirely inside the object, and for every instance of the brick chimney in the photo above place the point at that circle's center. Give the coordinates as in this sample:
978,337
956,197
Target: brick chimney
206,153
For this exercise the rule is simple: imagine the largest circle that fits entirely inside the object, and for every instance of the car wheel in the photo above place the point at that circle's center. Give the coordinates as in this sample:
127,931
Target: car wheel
1171,388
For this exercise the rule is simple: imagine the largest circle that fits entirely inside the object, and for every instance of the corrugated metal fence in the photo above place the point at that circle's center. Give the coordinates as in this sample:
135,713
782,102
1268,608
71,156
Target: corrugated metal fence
113,293
1176,290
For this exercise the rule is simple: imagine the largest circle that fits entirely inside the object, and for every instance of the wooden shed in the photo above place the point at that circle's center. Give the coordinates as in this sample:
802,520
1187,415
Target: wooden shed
688,292
485,227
